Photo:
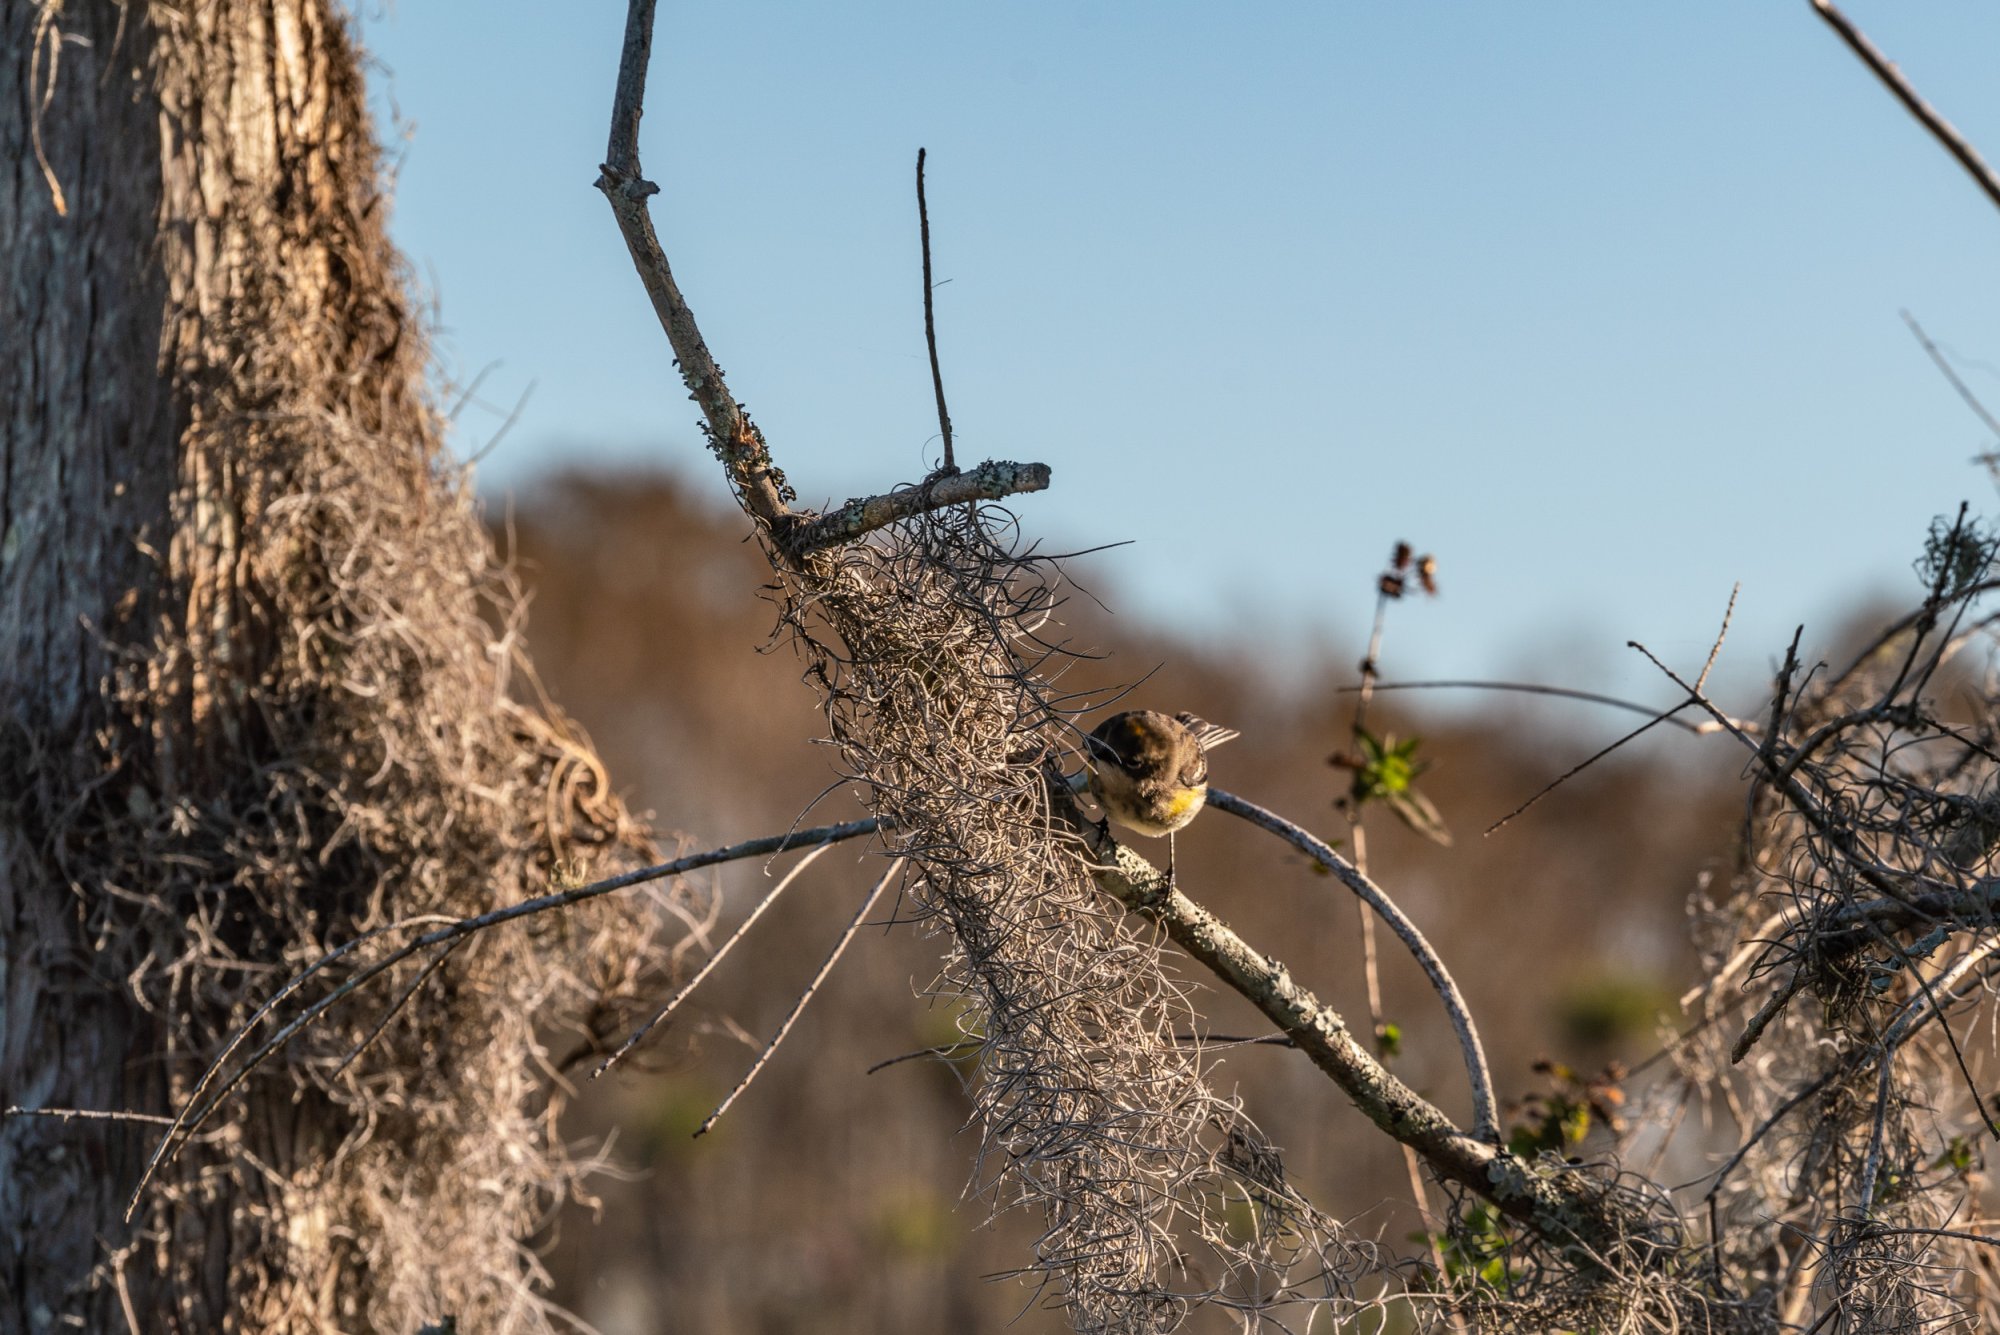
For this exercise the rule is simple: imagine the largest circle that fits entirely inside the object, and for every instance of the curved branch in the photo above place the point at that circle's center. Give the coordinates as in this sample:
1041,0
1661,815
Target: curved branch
1486,1116
1560,1205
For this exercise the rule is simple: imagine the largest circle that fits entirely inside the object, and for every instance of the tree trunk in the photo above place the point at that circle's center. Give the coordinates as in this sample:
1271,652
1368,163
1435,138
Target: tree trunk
252,703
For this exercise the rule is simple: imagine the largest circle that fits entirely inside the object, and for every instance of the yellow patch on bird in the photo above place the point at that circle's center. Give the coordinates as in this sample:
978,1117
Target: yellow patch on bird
1183,804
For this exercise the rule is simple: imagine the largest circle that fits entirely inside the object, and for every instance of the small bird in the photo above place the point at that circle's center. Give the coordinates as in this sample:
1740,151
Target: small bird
1149,770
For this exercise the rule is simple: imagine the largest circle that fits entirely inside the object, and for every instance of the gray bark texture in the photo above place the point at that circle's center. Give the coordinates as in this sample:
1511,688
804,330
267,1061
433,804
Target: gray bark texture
258,695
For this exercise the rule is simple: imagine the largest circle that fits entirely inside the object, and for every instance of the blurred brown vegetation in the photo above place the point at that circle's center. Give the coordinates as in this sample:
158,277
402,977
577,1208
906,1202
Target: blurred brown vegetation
830,1199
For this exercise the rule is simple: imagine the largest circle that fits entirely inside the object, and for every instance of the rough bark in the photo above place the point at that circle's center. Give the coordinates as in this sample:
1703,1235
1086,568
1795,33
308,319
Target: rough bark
252,703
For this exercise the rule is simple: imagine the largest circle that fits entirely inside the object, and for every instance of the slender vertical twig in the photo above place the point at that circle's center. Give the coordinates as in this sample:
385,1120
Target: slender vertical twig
1357,829
930,316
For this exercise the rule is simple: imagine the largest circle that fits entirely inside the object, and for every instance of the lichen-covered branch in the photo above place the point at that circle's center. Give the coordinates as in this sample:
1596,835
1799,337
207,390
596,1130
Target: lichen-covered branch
758,482
1565,1209
990,481
733,437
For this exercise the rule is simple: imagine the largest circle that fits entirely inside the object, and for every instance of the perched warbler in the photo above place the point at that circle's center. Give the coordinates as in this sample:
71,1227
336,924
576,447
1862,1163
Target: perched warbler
1149,770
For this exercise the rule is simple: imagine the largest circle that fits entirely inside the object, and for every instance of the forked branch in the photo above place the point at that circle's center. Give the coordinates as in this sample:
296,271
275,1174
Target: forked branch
1563,1208
1485,1111
737,443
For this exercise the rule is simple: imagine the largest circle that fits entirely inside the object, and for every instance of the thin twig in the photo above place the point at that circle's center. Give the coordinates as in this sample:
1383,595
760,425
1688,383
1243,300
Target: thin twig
930,318
805,997
1892,78
1753,1029
1586,763
424,975
721,953
85,1115
1534,688
1715,650
1486,1116
1950,374
1694,697
493,441
1371,972
1371,967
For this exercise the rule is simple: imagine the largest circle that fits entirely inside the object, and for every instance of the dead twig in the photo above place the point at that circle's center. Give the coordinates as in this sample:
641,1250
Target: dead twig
804,999
1927,115
930,317
721,953
1950,373
990,481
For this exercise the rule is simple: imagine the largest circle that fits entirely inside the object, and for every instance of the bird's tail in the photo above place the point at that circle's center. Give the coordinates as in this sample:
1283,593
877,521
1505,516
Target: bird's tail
1210,735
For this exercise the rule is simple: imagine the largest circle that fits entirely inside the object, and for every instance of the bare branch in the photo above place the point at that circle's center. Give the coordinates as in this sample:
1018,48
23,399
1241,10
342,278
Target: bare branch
1892,78
731,434
988,482
85,1115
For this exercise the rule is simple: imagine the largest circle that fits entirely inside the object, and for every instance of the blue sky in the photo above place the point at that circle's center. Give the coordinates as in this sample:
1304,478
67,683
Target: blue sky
1599,302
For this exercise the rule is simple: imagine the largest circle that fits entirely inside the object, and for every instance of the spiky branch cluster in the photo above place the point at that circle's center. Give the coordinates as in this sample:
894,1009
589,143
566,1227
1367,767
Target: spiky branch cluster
1860,937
